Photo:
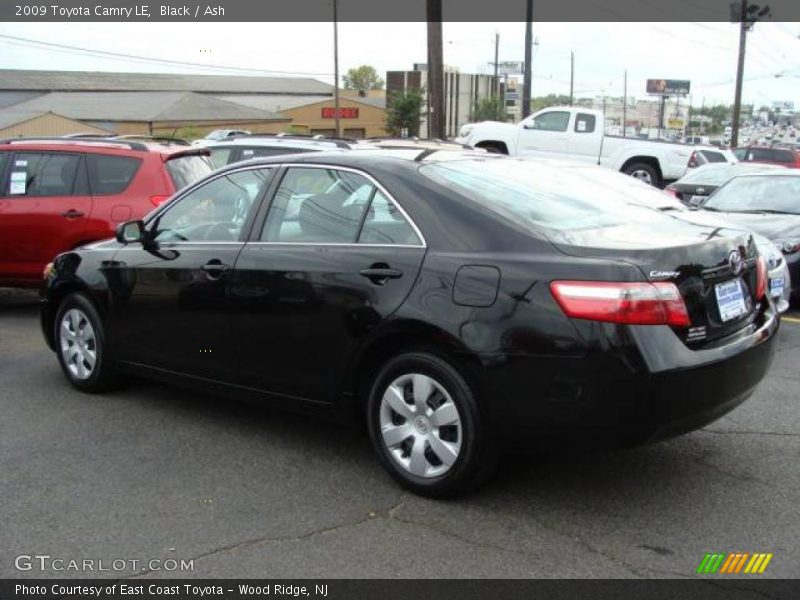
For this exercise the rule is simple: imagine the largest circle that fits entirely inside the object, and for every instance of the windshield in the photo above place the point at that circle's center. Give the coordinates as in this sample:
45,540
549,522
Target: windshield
185,170
219,134
780,194
538,194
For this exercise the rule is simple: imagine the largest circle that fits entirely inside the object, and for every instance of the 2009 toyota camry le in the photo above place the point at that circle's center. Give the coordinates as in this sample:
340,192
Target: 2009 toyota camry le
459,302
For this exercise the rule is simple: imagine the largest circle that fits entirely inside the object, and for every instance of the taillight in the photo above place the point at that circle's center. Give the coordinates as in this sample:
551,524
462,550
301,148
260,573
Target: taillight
670,191
643,303
158,200
761,282
693,160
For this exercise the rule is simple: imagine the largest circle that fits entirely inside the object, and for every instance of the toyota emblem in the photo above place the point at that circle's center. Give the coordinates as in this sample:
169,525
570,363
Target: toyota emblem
735,262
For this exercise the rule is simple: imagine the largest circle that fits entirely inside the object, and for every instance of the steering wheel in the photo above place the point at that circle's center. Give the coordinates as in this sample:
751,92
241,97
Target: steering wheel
220,232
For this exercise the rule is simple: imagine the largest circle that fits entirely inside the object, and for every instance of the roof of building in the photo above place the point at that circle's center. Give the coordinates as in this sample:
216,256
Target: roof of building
280,103
54,81
142,106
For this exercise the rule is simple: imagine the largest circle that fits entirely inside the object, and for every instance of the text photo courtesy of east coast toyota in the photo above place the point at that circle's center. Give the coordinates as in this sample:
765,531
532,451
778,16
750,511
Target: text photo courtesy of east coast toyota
451,296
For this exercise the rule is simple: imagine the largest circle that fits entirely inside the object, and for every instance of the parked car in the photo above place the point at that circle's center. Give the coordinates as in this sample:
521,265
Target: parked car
769,204
705,156
460,302
698,184
60,193
697,140
218,135
241,148
788,157
578,134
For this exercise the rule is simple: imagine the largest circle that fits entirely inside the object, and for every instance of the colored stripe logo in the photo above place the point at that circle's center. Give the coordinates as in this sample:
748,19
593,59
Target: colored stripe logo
734,563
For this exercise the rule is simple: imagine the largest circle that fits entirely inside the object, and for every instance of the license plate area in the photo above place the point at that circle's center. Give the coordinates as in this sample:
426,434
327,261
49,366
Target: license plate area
776,287
730,300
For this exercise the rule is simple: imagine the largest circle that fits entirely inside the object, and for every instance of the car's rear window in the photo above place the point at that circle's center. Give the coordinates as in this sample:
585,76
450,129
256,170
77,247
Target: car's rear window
713,157
783,156
538,194
110,174
185,170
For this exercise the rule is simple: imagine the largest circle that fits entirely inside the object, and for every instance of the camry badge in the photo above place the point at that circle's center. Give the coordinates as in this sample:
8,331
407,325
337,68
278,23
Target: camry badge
663,274
735,262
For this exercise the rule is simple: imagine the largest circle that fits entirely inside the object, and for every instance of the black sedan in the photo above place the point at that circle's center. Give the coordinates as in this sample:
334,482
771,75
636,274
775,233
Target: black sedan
460,303
769,204
698,184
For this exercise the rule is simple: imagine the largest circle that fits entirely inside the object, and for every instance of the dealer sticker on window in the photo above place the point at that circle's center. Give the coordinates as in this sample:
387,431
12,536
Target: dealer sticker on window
730,300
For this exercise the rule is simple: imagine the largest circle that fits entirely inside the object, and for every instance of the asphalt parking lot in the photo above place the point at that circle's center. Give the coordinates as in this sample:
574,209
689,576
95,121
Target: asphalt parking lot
154,472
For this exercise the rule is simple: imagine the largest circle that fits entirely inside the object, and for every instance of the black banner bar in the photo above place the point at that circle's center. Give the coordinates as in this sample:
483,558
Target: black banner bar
383,10
706,588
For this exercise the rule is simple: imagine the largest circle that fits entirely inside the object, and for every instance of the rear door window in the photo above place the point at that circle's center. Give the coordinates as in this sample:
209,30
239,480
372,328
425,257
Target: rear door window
43,174
185,170
221,157
584,123
783,156
110,174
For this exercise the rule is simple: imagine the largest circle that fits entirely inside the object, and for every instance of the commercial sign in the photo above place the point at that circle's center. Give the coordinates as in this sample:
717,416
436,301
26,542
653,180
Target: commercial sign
675,123
345,112
668,87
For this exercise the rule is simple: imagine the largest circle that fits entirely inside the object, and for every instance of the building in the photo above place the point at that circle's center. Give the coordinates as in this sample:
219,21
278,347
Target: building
146,113
58,102
462,92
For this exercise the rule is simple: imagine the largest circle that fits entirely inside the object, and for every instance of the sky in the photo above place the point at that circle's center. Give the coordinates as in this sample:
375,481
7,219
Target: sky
704,53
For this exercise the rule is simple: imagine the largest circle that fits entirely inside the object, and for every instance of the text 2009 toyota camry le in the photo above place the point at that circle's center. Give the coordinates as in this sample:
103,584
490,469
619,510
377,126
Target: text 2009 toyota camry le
461,302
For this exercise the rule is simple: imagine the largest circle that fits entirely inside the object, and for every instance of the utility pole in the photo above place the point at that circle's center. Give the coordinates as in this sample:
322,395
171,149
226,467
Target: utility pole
496,63
336,67
435,69
526,87
625,105
737,101
571,76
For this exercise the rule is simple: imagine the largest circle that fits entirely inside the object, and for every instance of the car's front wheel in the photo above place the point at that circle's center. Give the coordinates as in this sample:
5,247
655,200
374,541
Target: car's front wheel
81,345
426,427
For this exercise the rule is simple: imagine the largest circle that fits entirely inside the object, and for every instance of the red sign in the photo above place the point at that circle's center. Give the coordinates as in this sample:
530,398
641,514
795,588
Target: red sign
329,112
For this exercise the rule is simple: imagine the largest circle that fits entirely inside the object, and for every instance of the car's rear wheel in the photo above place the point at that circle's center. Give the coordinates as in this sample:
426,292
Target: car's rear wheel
645,173
425,426
81,345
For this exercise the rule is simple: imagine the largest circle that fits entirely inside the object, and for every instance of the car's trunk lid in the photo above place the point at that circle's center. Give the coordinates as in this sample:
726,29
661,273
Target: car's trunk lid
714,268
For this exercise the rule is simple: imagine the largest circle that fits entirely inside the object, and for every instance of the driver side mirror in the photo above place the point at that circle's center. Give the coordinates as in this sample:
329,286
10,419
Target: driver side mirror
131,232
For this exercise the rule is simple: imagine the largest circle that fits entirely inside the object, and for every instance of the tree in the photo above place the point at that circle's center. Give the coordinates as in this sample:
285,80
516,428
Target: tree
404,111
363,78
541,102
489,109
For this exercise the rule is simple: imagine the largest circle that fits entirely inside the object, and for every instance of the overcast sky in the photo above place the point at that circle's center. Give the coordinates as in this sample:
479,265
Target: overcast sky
704,53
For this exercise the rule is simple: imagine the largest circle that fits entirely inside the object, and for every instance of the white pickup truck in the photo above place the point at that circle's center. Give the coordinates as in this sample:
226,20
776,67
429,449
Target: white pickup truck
577,134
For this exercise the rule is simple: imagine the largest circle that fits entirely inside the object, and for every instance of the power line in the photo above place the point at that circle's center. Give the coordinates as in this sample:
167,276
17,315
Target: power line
52,46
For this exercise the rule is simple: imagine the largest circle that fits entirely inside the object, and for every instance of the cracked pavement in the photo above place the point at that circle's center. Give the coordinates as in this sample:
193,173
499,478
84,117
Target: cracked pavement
153,471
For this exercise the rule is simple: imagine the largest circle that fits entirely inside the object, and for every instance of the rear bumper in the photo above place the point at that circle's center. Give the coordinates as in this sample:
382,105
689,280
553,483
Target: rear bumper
618,398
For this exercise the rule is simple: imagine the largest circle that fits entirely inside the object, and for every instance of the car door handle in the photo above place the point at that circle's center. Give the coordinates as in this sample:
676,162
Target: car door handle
215,268
72,214
380,274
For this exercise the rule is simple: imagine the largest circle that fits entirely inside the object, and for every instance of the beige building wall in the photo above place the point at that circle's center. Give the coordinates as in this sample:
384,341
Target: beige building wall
371,121
49,124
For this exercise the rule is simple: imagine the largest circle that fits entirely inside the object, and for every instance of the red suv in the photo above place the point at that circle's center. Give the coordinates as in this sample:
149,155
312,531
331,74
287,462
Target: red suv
57,194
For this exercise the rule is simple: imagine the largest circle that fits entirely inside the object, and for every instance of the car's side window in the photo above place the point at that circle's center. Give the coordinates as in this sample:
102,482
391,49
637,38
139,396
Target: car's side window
585,123
214,212
314,205
220,156
551,121
385,224
740,153
43,174
110,174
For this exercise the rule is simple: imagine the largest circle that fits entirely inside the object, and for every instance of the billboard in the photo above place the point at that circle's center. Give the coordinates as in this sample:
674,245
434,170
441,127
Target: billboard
667,87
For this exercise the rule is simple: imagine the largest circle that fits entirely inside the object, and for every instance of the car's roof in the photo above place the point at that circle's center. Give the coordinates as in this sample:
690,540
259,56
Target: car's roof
100,145
276,142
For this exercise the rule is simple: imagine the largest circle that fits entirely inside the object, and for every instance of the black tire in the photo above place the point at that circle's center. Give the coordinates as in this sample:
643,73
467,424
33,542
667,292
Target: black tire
103,376
476,459
652,173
